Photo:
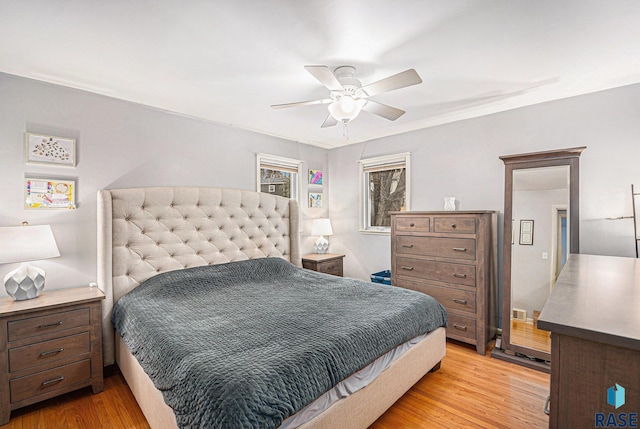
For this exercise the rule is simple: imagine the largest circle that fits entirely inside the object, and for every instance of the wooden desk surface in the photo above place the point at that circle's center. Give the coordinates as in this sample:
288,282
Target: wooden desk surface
596,298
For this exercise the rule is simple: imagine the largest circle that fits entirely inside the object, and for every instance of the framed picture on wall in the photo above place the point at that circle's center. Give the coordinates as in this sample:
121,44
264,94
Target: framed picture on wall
315,199
49,194
50,150
315,177
526,232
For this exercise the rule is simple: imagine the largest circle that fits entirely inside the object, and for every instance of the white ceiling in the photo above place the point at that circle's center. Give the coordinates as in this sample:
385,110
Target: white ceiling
228,61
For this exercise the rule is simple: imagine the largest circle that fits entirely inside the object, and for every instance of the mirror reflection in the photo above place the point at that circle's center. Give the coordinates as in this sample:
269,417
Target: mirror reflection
540,237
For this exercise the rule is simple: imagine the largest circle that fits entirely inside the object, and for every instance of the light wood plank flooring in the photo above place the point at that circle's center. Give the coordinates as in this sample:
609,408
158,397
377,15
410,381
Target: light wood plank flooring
527,334
468,391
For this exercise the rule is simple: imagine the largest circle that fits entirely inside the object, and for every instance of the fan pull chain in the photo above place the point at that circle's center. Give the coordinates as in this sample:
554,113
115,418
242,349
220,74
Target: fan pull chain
345,130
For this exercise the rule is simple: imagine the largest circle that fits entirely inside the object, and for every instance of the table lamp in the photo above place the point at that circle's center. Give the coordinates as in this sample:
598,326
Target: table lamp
321,227
25,244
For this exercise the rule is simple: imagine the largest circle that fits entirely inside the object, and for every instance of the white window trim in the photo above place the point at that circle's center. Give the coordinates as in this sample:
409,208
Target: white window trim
295,164
381,161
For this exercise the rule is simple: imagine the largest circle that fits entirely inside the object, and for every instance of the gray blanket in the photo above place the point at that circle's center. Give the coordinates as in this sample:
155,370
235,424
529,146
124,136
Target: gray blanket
248,344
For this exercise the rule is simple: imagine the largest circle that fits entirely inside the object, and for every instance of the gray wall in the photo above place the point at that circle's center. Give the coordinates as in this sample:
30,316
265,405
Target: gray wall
461,159
121,144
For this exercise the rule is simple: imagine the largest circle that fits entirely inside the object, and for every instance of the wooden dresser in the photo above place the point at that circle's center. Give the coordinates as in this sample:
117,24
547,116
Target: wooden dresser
451,256
592,314
48,346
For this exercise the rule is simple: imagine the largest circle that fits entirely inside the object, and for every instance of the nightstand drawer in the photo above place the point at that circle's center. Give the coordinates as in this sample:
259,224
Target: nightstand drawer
331,267
47,381
34,326
48,351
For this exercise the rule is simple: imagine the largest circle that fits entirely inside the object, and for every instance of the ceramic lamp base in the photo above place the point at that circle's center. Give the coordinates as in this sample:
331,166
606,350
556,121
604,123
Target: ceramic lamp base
321,245
25,282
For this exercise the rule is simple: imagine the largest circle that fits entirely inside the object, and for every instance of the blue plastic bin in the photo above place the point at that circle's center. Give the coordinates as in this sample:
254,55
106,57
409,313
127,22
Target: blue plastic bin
383,277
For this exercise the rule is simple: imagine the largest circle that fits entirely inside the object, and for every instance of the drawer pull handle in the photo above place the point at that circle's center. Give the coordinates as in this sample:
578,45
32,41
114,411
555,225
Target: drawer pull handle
52,352
460,301
546,405
453,225
55,380
412,224
51,325
460,327
409,246
408,268
459,249
460,276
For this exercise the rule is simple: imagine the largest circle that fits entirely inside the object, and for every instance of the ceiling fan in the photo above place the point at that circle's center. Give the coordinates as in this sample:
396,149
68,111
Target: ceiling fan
348,97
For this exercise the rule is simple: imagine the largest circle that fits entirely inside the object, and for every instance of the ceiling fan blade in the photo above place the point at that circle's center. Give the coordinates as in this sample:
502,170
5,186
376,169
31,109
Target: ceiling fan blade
397,81
329,122
388,112
325,76
302,103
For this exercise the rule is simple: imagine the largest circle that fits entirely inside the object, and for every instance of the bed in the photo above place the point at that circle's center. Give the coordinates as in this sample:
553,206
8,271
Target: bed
148,236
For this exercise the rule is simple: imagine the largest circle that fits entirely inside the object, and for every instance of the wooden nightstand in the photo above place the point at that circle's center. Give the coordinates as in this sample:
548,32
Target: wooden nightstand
48,346
329,263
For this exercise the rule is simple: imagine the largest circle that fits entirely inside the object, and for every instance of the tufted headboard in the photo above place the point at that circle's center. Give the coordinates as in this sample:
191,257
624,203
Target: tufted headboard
146,231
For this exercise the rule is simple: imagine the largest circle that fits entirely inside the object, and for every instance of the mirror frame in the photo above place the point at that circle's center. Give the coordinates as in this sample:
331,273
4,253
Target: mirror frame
551,158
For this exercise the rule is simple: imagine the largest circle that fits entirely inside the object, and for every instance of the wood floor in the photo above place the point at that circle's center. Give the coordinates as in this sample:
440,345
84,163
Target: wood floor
528,335
468,391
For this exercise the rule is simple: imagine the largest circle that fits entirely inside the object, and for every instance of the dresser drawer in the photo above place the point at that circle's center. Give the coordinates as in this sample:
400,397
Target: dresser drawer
450,298
437,271
34,326
458,248
412,223
48,351
46,381
455,224
460,327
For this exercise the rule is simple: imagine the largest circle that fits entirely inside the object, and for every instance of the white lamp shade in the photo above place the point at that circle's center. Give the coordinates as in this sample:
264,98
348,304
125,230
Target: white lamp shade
24,244
27,243
346,108
321,227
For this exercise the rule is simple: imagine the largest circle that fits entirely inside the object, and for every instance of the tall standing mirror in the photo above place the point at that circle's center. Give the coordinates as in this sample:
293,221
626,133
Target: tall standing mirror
541,228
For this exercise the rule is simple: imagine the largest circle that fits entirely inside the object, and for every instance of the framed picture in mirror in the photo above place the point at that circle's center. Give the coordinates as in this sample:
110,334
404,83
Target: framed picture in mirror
526,232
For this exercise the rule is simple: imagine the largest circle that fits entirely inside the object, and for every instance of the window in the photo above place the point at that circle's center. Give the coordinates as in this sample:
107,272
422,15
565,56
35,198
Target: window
278,176
384,188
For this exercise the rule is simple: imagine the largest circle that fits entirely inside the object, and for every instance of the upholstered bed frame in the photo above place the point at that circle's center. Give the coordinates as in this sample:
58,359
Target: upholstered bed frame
146,231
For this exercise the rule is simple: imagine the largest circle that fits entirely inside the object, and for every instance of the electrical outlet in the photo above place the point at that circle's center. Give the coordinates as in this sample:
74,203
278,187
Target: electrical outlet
545,255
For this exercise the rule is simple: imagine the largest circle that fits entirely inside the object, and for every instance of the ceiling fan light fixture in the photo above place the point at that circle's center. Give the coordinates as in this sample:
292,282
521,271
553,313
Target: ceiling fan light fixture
346,108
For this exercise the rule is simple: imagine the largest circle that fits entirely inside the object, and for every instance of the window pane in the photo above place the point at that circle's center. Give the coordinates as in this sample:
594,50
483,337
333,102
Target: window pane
276,182
387,192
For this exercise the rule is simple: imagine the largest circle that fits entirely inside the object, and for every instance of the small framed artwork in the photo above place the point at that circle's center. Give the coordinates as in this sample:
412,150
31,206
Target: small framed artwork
315,199
315,177
49,194
50,150
526,232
